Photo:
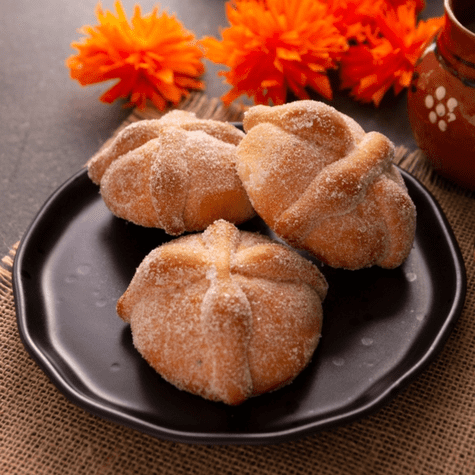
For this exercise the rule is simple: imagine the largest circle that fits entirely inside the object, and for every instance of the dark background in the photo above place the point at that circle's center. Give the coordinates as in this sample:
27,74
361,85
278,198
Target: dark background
50,125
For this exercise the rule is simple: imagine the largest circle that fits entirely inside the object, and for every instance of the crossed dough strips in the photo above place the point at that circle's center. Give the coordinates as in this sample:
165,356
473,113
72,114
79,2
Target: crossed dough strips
322,184
176,173
225,314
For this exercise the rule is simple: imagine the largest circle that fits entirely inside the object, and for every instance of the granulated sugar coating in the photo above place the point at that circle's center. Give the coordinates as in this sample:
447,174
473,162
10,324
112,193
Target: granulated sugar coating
176,173
225,314
194,181
322,184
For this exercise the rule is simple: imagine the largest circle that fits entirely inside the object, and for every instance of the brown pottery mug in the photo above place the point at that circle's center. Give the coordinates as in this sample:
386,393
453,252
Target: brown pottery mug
441,99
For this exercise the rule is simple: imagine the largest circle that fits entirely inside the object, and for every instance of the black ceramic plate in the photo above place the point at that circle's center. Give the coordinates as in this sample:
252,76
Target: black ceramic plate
381,327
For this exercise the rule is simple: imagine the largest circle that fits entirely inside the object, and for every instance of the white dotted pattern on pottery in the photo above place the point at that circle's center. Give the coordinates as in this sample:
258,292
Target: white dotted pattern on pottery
441,112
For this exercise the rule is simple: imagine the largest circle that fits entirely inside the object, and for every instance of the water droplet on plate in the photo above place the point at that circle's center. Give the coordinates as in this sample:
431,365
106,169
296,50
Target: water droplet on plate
83,269
101,303
115,367
338,361
411,277
420,317
367,341
71,279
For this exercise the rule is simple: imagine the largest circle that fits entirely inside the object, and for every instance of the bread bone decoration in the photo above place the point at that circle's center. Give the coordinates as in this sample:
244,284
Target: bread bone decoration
225,314
323,184
176,173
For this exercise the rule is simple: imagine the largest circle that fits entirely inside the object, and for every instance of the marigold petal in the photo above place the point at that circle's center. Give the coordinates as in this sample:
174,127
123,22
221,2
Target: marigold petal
165,75
214,50
159,102
189,83
321,84
230,96
266,83
377,96
287,54
119,90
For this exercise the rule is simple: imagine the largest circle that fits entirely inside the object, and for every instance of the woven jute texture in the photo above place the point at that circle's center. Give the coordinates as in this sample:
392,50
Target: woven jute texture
429,428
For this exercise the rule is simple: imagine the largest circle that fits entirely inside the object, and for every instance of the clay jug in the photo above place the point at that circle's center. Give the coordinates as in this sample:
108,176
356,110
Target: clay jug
441,99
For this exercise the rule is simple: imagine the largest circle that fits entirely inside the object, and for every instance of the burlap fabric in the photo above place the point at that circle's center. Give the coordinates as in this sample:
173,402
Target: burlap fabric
427,429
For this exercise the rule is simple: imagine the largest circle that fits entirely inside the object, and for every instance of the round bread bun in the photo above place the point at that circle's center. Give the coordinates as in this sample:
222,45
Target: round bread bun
324,185
225,314
176,173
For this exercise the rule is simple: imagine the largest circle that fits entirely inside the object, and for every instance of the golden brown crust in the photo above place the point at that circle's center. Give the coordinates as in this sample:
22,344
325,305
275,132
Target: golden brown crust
125,185
309,120
324,185
176,173
225,314
130,138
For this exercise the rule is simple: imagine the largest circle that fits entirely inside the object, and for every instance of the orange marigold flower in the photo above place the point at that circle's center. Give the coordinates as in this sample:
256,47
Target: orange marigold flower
273,46
153,57
388,54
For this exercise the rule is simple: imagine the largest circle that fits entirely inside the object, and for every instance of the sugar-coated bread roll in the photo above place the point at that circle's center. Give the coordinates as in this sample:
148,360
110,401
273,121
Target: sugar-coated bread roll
176,173
225,314
324,185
